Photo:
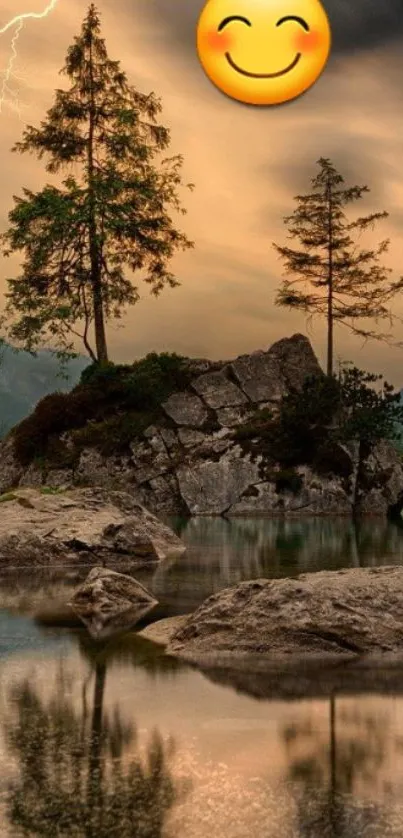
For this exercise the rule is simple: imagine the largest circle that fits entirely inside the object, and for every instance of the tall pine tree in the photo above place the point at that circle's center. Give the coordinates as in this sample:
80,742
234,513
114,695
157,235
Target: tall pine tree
78,239
348,283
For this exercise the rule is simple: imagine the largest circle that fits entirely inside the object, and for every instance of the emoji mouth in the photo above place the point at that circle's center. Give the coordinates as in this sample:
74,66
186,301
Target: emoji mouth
263,75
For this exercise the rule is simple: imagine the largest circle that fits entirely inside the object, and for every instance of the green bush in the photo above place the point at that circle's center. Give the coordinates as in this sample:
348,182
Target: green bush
105,394
113,435
286,480
140,386
327,411
54,414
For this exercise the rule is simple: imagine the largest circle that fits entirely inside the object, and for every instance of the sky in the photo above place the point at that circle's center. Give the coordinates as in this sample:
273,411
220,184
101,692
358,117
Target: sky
247,164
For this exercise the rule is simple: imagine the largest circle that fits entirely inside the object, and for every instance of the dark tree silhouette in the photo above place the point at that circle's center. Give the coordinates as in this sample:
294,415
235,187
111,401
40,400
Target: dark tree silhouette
78,239
348,283
72,780
326,776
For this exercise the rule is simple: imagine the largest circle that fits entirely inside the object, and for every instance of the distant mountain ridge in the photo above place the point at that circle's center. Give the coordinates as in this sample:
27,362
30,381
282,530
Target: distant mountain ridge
25,379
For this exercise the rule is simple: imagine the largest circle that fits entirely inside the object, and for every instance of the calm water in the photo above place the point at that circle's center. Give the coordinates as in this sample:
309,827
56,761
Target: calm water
117,739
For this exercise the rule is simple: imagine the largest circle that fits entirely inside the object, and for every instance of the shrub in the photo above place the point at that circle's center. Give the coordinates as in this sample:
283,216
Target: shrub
286,480
113,435
140,386
54,414
105,392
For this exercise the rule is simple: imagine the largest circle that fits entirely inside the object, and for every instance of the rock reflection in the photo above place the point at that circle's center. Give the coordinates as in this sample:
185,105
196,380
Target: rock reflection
222,552
76,777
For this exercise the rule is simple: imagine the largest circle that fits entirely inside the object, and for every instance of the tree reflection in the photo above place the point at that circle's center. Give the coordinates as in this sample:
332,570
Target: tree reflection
73,779
328,772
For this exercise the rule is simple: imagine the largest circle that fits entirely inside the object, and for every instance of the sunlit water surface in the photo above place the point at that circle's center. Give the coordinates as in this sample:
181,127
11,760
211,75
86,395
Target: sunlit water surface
118,739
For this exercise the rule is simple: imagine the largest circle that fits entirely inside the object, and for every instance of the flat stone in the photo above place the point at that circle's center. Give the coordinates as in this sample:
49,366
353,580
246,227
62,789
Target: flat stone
162,630
91,526
186,409
328,614
190,438
218,391
267,376
169,437
229,417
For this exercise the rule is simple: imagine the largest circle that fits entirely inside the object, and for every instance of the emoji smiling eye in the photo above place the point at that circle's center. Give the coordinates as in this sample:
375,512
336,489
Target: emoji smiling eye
297,19
231,18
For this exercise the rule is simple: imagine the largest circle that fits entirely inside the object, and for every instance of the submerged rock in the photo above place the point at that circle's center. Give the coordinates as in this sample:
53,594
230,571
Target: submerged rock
327,614
109,602
87,526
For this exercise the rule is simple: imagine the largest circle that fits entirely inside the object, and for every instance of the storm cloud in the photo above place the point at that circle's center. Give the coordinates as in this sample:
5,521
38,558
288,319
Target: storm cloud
356,24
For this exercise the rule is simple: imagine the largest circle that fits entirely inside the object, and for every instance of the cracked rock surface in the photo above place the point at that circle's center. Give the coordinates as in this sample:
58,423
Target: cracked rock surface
332,614
88,526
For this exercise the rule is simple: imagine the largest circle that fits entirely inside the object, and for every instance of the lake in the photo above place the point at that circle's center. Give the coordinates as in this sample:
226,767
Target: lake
118,739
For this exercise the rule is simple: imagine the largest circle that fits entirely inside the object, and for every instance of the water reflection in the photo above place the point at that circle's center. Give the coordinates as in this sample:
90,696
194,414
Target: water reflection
73,779
87,764
336,776
222,552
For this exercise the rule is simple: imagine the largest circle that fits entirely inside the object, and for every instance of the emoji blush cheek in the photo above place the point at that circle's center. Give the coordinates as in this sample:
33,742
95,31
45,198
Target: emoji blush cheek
218,41
306,42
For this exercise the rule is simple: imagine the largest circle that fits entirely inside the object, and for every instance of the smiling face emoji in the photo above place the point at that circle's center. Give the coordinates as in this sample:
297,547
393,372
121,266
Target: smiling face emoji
263,52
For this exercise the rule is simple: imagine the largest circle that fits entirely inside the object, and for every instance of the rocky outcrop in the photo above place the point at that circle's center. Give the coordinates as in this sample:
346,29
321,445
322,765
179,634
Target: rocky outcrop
327,614
86,526
190,461
109,602
380,486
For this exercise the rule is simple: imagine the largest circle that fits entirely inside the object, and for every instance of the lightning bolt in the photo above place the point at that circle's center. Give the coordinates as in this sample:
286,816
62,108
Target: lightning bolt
17,21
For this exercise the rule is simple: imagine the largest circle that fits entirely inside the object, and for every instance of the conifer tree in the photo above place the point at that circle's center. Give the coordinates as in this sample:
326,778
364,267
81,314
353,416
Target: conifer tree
78,239
348,283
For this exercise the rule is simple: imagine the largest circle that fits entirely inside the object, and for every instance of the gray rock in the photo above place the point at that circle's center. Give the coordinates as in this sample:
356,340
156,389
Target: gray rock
186,409
328,614
259,375
109,602
381,480
296,360
190,438
218,391
10,470
212,487
266,376
229,417
318,496
199,468
90,526
169,437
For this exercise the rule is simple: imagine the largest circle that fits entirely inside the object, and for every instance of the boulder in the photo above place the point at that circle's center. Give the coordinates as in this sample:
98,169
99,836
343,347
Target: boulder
88,526
186,409
266,376
210,488
218,391
109,602
319,495
327,614
380,480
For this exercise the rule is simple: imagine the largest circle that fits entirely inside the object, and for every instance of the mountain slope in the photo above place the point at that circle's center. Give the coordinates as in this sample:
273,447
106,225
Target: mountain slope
25,379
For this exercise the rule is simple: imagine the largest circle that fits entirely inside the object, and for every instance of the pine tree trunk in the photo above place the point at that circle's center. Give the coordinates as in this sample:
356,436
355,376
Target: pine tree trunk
96,278
330,289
